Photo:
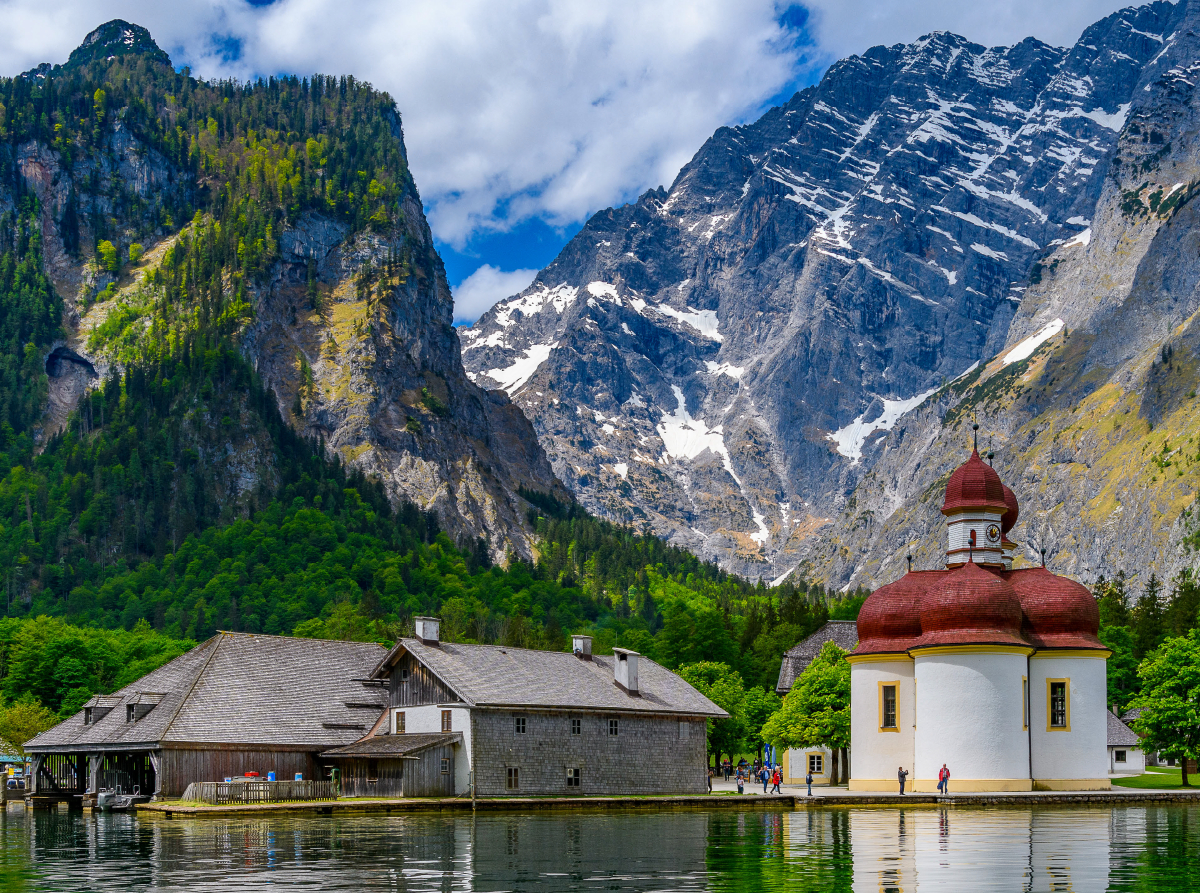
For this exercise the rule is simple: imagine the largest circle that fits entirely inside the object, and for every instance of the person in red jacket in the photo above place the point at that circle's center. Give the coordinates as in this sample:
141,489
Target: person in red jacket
944,780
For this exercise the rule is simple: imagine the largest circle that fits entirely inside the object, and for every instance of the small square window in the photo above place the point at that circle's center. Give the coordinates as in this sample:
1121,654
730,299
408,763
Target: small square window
404,675
685,728
446,721
400,722
445,765
816,763
1119,756
573,776
519,725
577,727
512,779
613,726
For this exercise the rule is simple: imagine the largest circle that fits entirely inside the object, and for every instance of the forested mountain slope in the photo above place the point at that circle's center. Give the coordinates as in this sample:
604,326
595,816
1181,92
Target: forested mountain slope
723,359
170,213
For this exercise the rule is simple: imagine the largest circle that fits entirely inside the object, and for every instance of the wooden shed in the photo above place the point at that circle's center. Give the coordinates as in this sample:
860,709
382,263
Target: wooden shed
410,765
234,704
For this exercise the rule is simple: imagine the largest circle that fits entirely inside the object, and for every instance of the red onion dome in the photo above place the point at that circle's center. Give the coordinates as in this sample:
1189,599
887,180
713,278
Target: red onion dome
1059,613
971,606
888,620
1009,520
974,485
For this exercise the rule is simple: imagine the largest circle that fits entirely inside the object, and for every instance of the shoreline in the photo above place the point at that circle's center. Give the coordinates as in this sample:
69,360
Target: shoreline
172,809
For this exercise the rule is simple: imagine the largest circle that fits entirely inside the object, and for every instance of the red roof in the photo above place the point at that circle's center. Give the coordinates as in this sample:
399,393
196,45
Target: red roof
974,485
1009,520
974,605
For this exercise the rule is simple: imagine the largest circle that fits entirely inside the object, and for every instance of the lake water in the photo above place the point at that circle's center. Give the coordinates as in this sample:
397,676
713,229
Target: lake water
828,849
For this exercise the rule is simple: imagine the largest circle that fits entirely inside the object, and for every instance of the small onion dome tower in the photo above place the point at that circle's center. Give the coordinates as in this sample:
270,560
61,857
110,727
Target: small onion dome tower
974,507
1007,523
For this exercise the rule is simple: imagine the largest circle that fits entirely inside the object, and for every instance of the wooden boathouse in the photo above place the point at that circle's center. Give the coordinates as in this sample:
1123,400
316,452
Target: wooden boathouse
236,703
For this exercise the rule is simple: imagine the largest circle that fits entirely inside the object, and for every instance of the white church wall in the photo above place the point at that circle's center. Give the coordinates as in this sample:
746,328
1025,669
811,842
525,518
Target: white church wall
970,717
1074,758
875,755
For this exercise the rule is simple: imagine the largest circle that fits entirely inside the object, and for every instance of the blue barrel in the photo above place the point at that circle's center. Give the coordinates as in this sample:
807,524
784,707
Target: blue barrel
270,776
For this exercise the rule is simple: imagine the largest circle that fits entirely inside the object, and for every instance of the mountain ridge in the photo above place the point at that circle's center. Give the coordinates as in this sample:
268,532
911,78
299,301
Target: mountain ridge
724,360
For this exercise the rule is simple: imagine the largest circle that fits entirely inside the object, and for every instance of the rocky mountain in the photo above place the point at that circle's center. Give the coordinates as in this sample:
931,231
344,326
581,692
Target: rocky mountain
774,362
170,210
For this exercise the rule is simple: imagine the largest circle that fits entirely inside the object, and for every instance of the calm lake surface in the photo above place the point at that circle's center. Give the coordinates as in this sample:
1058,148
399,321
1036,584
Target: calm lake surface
828,849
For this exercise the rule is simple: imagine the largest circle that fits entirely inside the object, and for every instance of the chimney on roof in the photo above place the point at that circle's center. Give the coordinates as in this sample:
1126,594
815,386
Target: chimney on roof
582,646
625,669
427,630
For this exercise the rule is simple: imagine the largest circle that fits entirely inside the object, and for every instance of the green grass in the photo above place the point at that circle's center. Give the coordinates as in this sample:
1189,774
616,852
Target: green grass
1162,778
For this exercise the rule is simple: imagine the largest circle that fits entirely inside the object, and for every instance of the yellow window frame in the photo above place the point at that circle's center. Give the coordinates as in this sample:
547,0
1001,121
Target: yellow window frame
1067,697
896,685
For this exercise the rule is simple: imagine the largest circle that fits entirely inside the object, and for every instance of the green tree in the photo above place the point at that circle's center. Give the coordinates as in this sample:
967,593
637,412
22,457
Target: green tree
1122,666
1113,601
816,712
760,705
107,253
1170,700
20,720
1149,627
723,686
136,250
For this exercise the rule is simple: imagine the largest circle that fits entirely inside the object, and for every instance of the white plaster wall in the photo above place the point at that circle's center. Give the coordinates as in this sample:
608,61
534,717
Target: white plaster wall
875,754
797,764
1083,751
969,716
1135,761
428,718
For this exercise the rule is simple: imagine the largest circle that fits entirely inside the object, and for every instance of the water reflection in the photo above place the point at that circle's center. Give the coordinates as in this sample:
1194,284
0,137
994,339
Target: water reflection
828,849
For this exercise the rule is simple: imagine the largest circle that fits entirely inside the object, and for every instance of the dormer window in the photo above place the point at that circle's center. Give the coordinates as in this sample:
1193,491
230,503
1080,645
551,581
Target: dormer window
87,716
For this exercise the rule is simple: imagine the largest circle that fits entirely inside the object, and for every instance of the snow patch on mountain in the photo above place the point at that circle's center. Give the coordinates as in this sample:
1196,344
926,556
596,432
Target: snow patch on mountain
512,378
851,439
1025,349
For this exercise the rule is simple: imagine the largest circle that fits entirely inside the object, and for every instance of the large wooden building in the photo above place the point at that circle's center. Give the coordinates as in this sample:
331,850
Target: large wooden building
518,721
234,704
426,718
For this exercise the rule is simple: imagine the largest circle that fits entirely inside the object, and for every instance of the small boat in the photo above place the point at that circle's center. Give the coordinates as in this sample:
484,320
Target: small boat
114,800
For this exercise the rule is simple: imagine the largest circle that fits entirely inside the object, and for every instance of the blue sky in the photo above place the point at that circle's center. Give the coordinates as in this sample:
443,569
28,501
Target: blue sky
523,118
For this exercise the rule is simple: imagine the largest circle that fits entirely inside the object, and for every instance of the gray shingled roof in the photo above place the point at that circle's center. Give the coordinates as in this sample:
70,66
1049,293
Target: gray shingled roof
237,688
394,745
843,633
498,676
1119,734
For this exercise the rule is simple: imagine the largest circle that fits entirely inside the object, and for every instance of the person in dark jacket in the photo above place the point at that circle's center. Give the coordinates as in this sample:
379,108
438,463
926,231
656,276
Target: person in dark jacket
901,774
808,781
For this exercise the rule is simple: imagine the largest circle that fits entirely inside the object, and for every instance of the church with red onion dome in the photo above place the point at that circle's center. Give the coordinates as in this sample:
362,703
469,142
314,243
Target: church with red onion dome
993,671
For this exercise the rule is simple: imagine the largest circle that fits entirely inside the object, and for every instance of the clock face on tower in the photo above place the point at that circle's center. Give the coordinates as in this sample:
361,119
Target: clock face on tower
993,533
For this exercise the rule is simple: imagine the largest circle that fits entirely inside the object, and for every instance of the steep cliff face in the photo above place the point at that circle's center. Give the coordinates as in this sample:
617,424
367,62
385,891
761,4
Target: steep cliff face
1098,427
347,318
724,359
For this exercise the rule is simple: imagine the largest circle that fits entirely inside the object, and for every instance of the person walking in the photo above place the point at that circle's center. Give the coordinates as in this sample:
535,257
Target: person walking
944,780
741,781
776,781
808,781
901,774
765,777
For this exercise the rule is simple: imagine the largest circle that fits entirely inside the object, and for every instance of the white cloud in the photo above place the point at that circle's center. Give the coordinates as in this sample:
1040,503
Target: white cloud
534,108
476,294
